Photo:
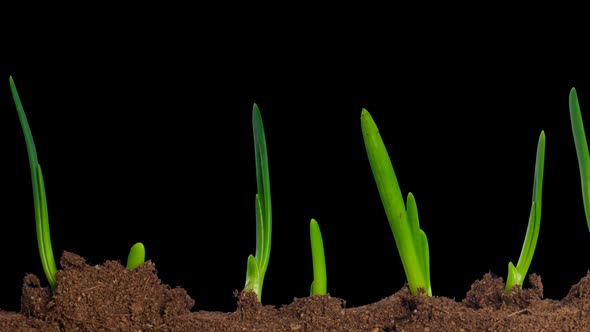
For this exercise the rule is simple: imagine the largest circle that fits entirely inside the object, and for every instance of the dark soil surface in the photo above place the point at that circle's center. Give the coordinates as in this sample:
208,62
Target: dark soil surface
109,297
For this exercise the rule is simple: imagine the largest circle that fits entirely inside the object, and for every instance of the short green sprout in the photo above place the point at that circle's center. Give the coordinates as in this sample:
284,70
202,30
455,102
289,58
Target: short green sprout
581,150
136,256
256,267
40,201
517,274
411,241
319,284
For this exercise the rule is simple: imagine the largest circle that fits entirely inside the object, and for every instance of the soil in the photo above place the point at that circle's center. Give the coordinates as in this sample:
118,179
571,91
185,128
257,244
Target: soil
109,297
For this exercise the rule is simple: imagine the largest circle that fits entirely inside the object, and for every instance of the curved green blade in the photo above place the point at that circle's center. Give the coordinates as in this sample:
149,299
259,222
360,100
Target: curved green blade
410,243
581,150
421,240
263,191
258,264
39,198
532,232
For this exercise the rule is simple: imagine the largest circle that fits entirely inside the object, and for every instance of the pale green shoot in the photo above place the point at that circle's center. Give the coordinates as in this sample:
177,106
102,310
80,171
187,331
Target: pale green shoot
581,150
40,201
410,240
517,274
136,256
256,267
319,284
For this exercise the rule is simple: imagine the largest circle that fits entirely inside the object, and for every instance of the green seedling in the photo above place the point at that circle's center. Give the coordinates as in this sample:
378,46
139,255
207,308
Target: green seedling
581,150
320,280
136,256
410,240
256,267
39,198
517,274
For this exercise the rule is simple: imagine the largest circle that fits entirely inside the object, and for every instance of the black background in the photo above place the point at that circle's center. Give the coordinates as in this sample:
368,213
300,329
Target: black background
144,134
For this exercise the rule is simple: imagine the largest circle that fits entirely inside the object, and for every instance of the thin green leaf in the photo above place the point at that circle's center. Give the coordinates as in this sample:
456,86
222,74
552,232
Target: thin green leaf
263,206
263,188
39,199
516,275
391,197
581,150
47,260
530,241
413,215
421,240
260,238
319,284
423,245
532,233
136,256
387,185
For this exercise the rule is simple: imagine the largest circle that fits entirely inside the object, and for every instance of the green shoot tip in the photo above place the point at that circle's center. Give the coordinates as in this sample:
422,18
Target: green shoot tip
136,256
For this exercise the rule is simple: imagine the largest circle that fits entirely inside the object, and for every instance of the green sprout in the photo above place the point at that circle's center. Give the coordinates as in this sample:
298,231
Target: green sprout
517,274
256,267
40,201
410,240
581,150
319,284
136,256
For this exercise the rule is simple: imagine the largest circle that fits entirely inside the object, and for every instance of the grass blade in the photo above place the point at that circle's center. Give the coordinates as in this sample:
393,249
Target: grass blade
320,279
581,150
263,208
422,241
39,198
516,275
411,244
263,188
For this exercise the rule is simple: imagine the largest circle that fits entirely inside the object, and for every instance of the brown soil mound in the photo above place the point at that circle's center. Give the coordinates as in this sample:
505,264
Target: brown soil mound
109,297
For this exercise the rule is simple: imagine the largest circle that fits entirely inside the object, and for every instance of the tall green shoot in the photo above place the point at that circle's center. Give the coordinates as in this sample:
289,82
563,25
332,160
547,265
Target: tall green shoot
581,150
257,265
39,198
319,286
410,240
517,274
